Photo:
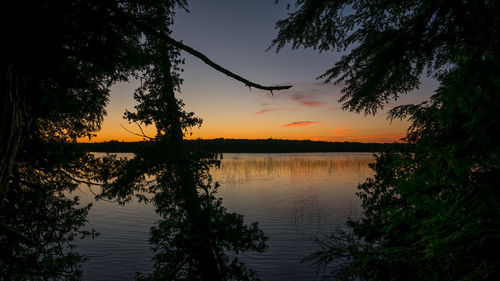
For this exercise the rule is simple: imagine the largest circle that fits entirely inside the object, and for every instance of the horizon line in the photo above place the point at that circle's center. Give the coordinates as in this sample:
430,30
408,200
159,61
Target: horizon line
256,139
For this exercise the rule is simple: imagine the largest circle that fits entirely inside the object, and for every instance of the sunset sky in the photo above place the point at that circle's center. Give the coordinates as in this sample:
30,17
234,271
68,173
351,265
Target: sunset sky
236,34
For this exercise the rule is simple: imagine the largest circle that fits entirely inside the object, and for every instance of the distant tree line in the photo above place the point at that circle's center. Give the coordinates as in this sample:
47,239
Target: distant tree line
254,146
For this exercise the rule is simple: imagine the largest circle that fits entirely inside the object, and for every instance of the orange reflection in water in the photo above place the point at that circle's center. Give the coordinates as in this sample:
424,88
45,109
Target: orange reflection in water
296,166
294,197
304,190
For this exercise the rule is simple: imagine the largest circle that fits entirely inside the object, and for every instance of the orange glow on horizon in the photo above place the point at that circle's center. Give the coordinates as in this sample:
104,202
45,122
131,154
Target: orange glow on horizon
382,138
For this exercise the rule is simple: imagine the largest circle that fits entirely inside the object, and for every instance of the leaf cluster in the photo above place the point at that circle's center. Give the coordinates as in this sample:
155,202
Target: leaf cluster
194,227
430,213
388,44
66,55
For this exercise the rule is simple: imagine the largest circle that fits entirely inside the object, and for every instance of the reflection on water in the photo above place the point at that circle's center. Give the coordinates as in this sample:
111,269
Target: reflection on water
297,166
294,197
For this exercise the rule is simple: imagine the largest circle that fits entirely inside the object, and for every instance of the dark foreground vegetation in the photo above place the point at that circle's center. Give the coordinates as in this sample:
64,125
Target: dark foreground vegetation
431,213
253,146
56,72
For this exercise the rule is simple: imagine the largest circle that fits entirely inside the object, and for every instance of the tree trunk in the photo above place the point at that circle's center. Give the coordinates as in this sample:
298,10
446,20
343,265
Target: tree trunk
204,249
12,115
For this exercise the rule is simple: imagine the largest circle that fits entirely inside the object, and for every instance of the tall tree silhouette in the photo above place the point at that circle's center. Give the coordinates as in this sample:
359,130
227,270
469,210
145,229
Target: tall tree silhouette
429,214
195,233
61,59
64,55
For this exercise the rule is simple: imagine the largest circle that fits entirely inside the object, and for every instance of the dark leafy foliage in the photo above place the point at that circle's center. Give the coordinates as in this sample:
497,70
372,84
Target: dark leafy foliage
70,52
389,43
195,234
40,219
64,65
429,214
61,59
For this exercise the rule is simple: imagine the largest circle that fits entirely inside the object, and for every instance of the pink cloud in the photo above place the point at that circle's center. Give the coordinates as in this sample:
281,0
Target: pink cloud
310,102
300,124
274,109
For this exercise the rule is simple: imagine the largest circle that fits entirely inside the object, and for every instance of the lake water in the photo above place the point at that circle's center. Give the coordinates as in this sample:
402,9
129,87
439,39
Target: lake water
295,198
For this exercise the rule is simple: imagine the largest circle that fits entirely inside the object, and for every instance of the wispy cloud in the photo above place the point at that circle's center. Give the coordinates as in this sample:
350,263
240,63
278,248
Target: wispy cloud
310,103
310,91
300,124
266,110
316,89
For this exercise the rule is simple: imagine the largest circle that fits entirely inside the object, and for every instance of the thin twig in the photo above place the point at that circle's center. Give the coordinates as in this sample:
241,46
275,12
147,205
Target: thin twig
99,197
88,183
142,132
136,133
78,180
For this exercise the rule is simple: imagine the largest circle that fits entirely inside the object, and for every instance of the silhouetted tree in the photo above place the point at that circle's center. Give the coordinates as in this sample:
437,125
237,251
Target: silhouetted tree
56,70
195,233
429,214
40,219
63,56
